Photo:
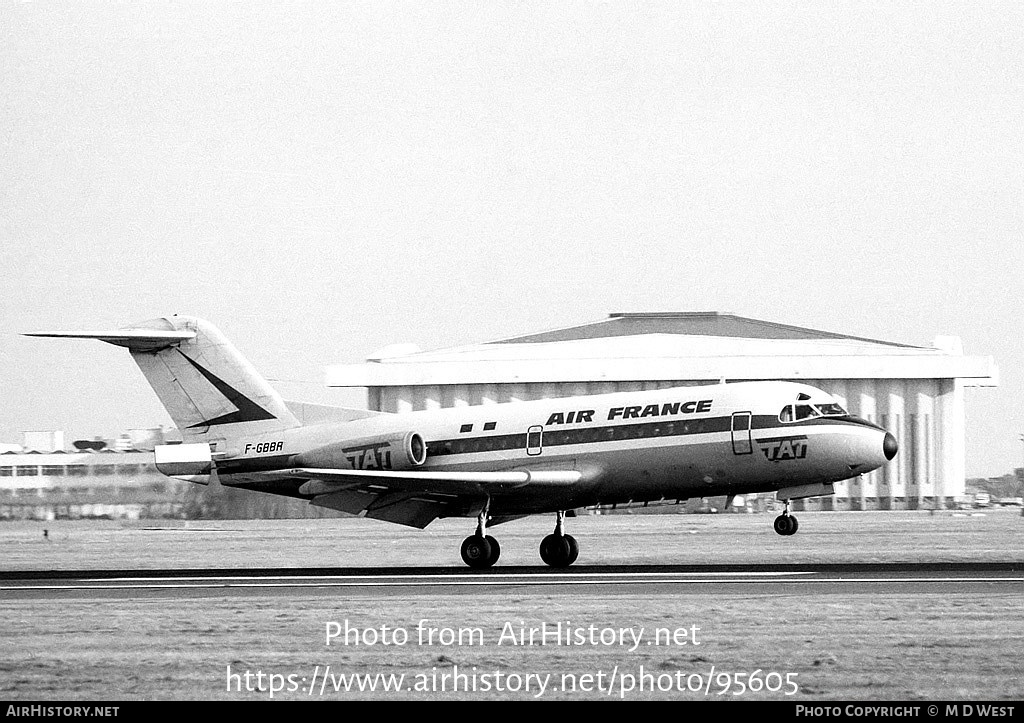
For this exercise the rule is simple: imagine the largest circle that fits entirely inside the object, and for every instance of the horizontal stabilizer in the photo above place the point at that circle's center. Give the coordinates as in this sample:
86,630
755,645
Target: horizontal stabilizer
211,391
136,339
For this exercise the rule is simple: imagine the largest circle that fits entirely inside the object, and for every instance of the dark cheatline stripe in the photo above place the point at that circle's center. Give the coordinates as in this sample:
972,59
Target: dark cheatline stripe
254,464
555,437
248,410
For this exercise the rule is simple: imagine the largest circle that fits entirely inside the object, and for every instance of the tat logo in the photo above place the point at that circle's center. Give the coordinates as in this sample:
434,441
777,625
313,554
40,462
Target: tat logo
369,456
779,449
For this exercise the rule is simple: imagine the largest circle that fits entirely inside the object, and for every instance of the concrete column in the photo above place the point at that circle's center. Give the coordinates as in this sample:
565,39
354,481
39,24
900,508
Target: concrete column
550,390
429,397
457,395
489,394
385,398
576,389
839,388
403,399
889,473
474,394
861,402
530,391
913,453
516,392
925,433
950,458
869,410
896,393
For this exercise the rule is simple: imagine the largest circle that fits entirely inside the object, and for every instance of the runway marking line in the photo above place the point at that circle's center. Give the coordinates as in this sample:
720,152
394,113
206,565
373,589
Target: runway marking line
503,575
482,583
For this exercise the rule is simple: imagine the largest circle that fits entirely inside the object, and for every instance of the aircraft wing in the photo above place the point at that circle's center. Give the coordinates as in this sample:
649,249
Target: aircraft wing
413,498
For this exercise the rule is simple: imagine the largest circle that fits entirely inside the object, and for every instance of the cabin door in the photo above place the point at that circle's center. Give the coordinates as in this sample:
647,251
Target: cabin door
741,443
535,440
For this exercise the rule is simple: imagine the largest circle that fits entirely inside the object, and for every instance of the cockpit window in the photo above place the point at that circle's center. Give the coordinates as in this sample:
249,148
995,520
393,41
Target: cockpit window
832,410
797,412
806,411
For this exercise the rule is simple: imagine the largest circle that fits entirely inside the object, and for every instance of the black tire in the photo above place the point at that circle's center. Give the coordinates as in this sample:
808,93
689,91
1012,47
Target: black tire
495,549
783,525
794,525
574,549
477,552
555,550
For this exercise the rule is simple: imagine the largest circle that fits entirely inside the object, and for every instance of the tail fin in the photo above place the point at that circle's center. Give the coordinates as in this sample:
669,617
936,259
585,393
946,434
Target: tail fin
210,390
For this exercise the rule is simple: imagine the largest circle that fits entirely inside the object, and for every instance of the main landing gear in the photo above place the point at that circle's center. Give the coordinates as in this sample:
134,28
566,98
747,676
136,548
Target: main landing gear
559,549
481,551
786,524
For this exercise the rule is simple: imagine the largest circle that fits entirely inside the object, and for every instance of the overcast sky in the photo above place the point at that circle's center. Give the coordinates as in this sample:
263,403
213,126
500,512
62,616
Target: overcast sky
324,179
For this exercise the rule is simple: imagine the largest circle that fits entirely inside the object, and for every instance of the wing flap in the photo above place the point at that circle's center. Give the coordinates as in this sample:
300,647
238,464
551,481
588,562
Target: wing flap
400,508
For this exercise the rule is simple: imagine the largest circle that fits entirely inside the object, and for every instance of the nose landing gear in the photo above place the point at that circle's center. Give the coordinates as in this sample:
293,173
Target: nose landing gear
786,524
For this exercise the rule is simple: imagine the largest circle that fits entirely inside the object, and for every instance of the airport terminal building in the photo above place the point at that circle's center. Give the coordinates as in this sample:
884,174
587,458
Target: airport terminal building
915,392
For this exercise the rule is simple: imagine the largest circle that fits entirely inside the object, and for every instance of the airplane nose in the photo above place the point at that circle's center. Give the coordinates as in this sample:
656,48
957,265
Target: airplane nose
889,446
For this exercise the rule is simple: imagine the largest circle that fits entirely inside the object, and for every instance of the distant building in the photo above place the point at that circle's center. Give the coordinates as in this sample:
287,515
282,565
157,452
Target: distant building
915,392
43,441
63,485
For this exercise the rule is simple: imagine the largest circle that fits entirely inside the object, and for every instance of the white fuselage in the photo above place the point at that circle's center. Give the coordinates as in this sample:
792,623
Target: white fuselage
664,444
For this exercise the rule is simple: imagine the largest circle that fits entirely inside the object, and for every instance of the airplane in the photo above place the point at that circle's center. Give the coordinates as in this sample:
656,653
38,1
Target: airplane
496,462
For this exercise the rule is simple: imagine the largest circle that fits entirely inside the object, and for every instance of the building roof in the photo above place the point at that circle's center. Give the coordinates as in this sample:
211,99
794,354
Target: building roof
699,346
688,323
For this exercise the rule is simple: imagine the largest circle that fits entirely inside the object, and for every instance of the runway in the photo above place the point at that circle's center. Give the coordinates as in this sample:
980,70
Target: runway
879,605
814,579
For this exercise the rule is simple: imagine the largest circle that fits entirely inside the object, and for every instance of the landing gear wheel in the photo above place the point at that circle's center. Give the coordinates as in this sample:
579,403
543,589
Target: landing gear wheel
574,548
786,525
478,553
495,549
559,550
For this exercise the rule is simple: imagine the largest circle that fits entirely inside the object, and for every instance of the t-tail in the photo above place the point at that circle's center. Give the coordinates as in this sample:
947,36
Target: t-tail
212,393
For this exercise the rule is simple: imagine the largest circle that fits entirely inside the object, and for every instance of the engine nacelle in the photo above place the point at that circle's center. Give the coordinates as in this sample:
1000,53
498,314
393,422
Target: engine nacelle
397,451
